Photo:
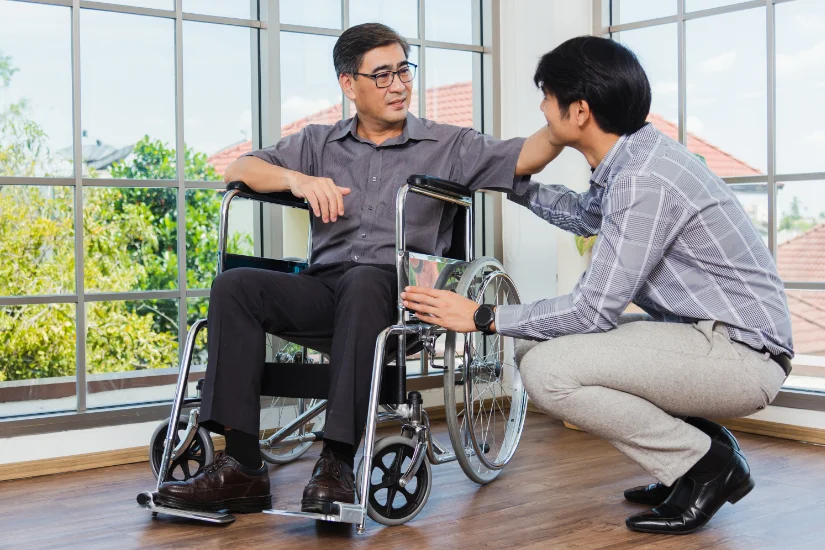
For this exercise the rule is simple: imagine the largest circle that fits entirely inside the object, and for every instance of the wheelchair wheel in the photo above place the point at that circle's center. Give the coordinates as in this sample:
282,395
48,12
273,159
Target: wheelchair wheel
282,410
485,401
388,503
200,452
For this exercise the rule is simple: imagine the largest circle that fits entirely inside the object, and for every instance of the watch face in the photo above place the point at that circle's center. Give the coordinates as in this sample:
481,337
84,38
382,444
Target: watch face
484,316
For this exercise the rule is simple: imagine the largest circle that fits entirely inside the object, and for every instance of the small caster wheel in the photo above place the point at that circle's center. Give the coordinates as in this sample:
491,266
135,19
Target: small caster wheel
154,514
191,462
388,502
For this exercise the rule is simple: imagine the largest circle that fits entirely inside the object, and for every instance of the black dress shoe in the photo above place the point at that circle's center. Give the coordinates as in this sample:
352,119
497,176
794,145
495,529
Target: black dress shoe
656,493
225,484
693,501
332,480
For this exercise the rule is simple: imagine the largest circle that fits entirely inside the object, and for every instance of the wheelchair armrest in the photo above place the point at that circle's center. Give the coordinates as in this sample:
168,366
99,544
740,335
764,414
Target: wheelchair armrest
439,185
282,198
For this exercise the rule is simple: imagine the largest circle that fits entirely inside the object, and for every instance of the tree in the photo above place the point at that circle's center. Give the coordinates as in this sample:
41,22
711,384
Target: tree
130,243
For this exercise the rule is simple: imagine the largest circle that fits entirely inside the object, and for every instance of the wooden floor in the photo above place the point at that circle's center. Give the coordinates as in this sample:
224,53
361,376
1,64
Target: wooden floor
562,490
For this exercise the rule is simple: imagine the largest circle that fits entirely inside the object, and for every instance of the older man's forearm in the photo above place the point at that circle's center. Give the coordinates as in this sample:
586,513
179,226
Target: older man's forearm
536,153
259,175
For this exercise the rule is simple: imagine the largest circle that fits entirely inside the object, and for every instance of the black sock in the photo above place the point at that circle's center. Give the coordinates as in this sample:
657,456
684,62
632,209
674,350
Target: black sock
243,447
342,451
705,425
710,465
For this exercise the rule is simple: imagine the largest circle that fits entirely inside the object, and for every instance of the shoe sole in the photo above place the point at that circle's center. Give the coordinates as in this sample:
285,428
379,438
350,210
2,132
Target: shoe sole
319,506
737,495
240,505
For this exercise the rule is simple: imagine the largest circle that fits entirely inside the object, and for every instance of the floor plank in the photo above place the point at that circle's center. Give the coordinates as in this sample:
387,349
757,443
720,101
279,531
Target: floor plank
562,490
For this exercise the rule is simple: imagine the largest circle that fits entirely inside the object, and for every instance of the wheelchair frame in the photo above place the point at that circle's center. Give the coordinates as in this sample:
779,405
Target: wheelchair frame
388,391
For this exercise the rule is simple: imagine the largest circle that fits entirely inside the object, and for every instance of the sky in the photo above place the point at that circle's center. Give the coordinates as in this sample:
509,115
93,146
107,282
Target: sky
128,87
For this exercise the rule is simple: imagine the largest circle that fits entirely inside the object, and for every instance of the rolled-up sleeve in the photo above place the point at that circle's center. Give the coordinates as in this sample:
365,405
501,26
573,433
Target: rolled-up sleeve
636,230
489,163
292,152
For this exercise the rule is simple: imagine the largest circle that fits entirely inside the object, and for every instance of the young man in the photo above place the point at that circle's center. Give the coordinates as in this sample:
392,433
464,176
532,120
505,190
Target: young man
673,239
349,173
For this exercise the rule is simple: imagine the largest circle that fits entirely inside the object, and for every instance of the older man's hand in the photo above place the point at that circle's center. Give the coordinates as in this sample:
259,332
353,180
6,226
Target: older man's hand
441,307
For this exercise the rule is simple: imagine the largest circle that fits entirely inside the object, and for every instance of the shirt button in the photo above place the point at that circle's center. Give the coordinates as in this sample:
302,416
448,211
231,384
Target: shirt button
374,178
355,258
369,208
363,235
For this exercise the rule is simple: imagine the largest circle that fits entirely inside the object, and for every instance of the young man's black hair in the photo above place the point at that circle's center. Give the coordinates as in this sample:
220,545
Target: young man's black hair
602,72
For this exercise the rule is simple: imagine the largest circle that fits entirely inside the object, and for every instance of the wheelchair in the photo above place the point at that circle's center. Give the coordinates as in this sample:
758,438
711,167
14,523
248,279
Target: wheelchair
484,399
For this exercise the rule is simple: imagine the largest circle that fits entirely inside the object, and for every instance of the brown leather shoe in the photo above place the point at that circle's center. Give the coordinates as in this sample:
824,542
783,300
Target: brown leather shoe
225,484
332,480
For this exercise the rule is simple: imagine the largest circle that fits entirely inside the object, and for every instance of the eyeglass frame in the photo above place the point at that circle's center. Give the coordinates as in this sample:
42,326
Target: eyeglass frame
374,76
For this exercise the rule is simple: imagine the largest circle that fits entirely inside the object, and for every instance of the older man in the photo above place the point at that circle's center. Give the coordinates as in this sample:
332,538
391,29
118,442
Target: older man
349,173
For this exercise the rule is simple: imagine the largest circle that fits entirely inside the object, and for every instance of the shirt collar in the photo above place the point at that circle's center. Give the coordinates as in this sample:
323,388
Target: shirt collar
413,129
601,175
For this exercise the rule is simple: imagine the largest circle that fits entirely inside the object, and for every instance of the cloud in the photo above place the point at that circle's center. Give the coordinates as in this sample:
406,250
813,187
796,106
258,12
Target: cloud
720,63
809,22
695,125
810,60
816,137
662,87
701,101
297,107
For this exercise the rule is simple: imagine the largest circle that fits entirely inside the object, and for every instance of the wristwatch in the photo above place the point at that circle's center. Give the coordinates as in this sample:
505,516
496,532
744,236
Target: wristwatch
484,317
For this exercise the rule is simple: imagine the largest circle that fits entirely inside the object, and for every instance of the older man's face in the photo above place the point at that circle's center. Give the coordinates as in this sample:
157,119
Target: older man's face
389,104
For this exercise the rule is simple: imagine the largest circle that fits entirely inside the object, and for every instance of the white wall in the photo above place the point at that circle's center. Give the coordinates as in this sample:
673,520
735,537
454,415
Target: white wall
542,260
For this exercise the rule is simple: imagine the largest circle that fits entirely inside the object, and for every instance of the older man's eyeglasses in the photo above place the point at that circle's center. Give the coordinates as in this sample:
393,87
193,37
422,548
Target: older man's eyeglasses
384,79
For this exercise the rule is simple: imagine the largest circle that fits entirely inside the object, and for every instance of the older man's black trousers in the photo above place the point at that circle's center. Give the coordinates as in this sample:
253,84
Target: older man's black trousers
346,302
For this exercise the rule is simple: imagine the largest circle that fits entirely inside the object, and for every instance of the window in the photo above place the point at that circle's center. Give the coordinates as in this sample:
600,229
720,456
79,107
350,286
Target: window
729,85
113,256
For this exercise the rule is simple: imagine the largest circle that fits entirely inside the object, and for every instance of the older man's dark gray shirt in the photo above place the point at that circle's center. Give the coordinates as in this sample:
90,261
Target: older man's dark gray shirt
374,173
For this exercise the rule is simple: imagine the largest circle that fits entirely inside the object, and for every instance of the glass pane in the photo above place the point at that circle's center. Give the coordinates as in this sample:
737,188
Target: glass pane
696,5
35,90
800,86
196,309
128,95
311,13
217,112
37,373
131,351
157,4
203,207
36,240
401,15
801,230
243,9
130,239
450,87
657,51
726,92
754,198
629,11
451,21
808,321
309,88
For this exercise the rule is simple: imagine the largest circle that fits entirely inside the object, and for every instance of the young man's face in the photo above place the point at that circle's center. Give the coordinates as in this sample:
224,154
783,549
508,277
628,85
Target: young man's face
388,104
563,131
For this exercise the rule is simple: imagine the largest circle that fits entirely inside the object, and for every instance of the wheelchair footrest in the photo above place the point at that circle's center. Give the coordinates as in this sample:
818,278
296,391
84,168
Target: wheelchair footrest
146,500
339,512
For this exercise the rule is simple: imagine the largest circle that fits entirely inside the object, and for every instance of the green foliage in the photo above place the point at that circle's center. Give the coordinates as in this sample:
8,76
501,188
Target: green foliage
130,243
585,244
